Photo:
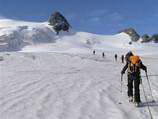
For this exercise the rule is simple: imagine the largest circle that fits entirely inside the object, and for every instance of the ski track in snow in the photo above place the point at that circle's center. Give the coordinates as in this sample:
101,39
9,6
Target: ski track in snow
67,86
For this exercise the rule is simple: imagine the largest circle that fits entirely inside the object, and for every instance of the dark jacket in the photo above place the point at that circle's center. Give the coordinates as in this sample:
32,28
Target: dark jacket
141,66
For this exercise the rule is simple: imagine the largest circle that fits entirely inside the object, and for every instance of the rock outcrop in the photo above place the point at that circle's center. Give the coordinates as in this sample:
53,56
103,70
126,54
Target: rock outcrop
132,33
59,22
155,38
146,38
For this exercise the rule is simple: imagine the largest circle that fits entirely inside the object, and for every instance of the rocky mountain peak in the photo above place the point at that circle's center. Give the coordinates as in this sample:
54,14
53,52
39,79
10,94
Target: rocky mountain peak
132,33
59,22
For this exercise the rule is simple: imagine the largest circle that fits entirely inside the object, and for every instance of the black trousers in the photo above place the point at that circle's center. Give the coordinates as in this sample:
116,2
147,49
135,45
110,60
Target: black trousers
134,81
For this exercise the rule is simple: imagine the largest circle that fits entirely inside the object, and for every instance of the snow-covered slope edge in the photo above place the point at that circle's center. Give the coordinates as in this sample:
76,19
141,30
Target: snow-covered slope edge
35,37
16,35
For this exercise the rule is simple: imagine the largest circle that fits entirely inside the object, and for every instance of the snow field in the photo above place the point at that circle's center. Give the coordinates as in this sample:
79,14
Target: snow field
66,86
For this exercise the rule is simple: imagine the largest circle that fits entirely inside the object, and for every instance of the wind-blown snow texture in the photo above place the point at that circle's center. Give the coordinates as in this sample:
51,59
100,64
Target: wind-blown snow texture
57,77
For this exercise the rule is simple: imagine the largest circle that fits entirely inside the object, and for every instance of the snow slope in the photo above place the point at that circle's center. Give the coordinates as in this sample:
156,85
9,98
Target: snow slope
40,37
18,35
57,77
68,86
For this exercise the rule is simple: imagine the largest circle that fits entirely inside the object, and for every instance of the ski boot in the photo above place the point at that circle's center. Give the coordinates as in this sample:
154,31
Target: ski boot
130,98
137,104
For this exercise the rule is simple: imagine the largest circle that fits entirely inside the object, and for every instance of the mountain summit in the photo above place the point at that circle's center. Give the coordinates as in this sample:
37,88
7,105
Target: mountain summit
132,33
59,22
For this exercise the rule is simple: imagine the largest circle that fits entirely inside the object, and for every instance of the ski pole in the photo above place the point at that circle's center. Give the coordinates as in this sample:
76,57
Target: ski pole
151,116
121,81
121,87
149,87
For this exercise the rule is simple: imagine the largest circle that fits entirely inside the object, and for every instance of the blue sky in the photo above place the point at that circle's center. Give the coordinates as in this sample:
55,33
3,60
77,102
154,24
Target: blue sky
96,16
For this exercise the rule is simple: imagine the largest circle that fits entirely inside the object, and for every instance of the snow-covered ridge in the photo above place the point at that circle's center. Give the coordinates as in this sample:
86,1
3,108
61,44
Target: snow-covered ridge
16,35
32,36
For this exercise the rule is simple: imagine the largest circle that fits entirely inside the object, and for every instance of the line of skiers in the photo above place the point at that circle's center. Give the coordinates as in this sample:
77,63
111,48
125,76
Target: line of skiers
115,56
133,65
103,54
122,58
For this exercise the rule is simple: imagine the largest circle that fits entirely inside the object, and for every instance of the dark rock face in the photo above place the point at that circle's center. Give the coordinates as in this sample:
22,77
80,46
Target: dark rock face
146,38
59,22
132,33
155,38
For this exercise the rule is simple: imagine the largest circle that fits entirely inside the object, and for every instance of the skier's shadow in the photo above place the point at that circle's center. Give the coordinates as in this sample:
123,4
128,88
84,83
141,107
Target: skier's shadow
150,103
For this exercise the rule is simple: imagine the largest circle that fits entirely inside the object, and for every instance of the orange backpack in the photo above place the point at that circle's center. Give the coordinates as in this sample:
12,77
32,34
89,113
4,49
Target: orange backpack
134,59
134,64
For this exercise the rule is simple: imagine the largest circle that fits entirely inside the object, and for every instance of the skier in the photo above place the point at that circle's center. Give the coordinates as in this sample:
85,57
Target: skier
93,52
115,57
103,55
134,64
122,58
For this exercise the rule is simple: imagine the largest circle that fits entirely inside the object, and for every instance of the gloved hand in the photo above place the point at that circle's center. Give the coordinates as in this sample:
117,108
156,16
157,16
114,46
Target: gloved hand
146,69
122,72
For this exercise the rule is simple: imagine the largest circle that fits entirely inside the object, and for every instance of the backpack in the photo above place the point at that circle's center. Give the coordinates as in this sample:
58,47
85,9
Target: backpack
134,64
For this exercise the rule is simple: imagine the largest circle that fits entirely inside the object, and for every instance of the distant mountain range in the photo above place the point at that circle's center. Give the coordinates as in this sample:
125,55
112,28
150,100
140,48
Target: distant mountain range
59,22
136,37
